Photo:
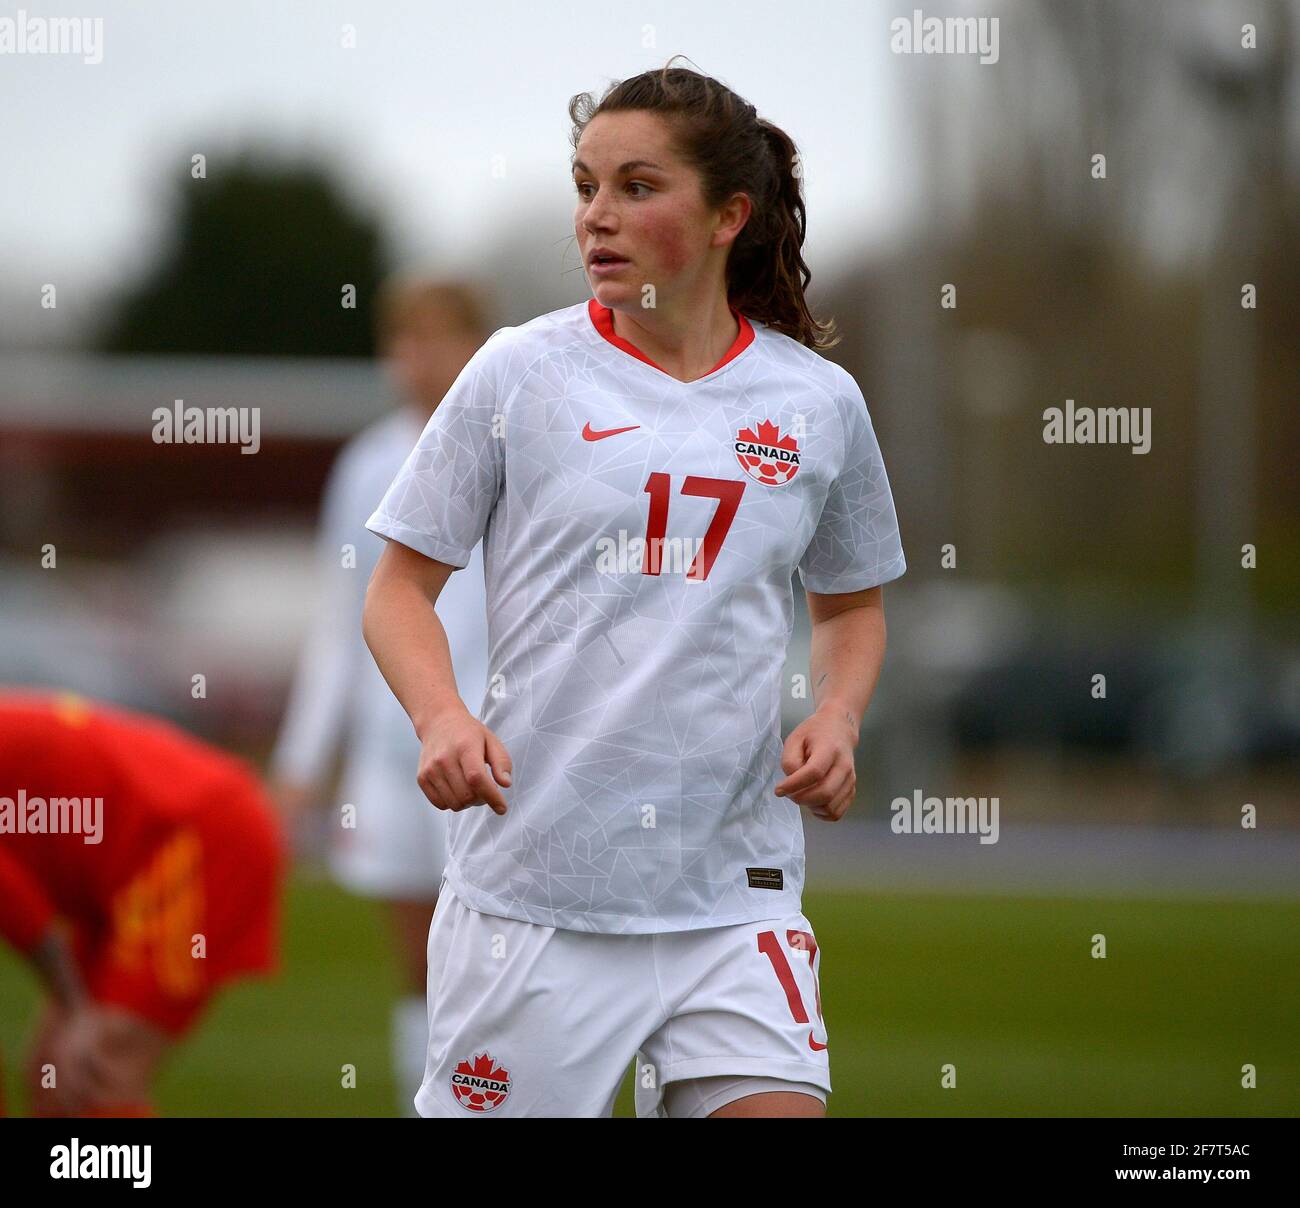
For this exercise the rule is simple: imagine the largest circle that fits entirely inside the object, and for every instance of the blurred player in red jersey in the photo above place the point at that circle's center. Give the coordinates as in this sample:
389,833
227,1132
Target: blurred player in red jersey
139,871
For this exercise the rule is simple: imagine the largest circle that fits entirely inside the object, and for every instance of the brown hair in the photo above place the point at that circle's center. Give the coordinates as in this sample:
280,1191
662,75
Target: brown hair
733,150
402,297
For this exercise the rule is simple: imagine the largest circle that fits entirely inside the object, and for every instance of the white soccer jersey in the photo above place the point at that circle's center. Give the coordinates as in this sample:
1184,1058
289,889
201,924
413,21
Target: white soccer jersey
339,693
641,534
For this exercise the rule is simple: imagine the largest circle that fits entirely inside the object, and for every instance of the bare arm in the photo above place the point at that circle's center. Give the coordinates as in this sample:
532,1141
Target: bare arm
410,648
848,647
405,635
53,960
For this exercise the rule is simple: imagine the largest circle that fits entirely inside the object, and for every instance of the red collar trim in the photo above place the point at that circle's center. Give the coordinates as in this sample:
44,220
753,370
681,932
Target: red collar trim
602,319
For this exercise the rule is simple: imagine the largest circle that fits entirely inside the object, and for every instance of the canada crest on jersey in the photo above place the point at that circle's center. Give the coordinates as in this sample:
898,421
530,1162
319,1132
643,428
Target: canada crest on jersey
766,455
481,1085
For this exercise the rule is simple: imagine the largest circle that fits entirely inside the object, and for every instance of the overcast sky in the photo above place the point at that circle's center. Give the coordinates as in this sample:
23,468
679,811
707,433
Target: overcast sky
413,116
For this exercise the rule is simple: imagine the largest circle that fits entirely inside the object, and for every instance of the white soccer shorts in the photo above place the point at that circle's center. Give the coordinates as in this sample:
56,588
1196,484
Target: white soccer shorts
528,1020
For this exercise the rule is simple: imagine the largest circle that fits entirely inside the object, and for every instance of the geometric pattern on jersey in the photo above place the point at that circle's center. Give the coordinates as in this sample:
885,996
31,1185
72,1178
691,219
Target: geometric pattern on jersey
641,710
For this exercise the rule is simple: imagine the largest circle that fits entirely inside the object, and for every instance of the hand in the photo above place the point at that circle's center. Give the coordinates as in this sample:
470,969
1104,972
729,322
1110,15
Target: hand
71,1042
454,760
818,762
103,1057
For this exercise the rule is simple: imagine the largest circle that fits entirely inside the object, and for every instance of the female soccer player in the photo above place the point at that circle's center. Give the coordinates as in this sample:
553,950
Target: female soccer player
647,469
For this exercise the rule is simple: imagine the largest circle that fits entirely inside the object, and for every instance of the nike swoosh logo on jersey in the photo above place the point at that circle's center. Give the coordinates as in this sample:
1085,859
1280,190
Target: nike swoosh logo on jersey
589,433
812,1044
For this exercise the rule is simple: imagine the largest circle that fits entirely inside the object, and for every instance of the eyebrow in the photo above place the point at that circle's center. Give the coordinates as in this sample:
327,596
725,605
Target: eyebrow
623,169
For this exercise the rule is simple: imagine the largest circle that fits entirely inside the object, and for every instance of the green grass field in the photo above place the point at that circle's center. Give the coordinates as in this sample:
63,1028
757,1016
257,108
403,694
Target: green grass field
1005,989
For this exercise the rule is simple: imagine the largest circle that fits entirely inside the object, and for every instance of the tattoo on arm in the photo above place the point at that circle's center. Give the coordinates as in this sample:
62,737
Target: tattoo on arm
848,715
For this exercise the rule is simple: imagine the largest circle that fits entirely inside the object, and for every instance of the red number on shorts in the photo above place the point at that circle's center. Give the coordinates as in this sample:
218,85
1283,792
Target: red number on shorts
770,947
726,491
804,942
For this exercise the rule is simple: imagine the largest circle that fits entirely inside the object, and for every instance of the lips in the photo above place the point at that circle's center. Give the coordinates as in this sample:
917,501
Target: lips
602,257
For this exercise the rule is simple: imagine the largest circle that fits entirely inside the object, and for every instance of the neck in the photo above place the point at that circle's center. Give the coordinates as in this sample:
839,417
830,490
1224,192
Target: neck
687,341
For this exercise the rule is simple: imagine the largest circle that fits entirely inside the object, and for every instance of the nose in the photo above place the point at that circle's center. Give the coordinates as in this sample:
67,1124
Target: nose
598,212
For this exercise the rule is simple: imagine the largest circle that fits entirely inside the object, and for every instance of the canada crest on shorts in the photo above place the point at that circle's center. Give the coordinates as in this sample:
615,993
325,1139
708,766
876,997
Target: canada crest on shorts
766,455
481,1085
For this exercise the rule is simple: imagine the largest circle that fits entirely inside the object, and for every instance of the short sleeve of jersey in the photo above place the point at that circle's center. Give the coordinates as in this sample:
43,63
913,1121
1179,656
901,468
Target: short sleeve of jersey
856,544
442,498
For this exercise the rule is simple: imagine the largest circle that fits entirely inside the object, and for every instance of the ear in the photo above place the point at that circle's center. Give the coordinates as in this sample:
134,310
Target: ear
731,218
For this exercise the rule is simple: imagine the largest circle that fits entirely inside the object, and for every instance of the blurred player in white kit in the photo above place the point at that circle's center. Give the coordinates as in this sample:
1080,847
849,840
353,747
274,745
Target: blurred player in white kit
394,847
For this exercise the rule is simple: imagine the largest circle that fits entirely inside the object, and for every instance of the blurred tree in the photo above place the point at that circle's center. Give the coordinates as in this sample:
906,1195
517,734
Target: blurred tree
259,255
1122,292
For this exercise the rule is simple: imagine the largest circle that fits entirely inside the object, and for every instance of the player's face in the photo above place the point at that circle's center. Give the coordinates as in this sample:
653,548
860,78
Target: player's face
426,354
636,198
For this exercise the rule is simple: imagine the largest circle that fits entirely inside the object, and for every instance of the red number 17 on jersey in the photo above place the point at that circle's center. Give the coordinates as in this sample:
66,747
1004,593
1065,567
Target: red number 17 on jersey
659,486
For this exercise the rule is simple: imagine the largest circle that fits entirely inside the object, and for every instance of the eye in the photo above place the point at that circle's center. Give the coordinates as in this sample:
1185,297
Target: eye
635,184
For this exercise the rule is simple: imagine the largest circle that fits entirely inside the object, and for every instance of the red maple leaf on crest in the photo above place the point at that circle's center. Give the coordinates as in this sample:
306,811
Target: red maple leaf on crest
769,434
484,1067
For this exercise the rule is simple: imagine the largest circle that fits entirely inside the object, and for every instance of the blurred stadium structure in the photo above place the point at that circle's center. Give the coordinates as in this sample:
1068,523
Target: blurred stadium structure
1070,561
